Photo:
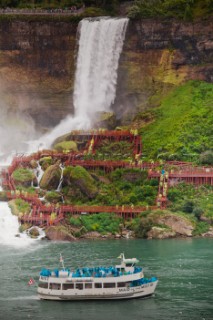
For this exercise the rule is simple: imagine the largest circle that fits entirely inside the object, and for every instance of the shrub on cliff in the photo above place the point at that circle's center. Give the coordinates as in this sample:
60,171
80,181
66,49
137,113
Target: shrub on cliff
181,9
206,157
102,222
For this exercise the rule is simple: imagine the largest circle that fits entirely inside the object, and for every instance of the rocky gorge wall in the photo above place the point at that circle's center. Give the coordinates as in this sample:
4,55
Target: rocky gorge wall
37,65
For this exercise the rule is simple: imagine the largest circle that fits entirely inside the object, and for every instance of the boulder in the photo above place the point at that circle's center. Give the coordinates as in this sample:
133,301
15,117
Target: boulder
45,162
160,233
23,177
66,146
106,120
33,164
81,179
92,235
209,233
33,232
179,224
51,177
59,233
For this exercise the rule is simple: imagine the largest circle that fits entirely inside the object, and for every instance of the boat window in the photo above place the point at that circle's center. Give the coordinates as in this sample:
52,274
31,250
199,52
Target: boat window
68,286
98,285
43,285
88,285
79,286
109,285
55,286
121,284
130,265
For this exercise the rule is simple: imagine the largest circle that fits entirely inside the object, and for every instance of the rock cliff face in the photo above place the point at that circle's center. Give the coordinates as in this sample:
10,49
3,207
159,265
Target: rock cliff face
159,55
37,68
37,65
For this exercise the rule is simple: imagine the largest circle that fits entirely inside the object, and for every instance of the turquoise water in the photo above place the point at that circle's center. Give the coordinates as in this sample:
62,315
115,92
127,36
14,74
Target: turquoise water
184,269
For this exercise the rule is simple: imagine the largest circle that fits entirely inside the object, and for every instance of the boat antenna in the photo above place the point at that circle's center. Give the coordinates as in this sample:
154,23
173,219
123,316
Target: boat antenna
62,261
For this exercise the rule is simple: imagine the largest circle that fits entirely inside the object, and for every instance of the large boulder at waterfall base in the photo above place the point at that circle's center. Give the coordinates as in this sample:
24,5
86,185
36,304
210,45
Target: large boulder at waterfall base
33,232
78,177
59,233
106,120
51,177
23,177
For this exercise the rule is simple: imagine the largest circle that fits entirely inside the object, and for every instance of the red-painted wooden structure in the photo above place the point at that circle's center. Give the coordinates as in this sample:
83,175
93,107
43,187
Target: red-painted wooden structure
43,215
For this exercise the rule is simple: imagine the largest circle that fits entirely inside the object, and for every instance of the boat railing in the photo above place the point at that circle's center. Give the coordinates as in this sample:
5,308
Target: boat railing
97,272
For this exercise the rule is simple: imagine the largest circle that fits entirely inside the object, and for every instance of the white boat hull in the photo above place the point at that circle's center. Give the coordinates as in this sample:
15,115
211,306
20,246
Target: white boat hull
143,291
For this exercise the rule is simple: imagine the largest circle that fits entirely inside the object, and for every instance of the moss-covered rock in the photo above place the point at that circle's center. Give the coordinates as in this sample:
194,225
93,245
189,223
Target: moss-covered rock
66,146
33,164
45,162
81,179
106,120
51,177
53,197
33,232
23,177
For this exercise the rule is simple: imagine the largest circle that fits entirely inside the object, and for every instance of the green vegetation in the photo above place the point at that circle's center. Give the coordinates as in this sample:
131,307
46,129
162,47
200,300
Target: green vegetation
120,187
114,150
53,197
195,201
23,175
181,9
103,223
83,181
66,146
19,206
182,129
91,7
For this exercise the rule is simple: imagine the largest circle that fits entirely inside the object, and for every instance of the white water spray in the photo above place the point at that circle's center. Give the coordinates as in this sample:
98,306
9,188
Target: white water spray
99,48
9,228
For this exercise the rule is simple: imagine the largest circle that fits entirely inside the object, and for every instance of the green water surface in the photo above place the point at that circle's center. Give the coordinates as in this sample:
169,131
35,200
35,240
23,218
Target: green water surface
184,269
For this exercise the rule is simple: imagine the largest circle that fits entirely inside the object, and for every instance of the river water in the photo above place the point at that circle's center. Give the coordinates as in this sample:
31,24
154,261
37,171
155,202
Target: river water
184,269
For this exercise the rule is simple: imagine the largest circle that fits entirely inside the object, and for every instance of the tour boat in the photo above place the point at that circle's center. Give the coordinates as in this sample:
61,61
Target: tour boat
124,281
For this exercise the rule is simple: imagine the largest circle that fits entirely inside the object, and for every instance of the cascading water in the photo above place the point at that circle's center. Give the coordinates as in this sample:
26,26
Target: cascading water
99,48
9,234
61,179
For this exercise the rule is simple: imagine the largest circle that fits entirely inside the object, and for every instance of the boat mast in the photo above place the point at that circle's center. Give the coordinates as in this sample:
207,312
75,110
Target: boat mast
62,261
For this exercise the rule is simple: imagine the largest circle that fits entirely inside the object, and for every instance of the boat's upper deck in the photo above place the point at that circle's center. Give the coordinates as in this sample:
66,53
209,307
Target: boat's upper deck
96,272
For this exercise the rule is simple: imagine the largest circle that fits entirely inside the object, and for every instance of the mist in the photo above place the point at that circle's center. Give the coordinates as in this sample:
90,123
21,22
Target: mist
15,130
99,47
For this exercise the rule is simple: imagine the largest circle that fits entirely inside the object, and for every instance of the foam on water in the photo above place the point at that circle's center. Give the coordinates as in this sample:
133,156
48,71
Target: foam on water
9,229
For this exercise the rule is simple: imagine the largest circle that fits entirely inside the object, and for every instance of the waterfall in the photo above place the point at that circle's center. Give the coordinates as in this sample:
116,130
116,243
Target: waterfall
9,228
99,47
61,179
